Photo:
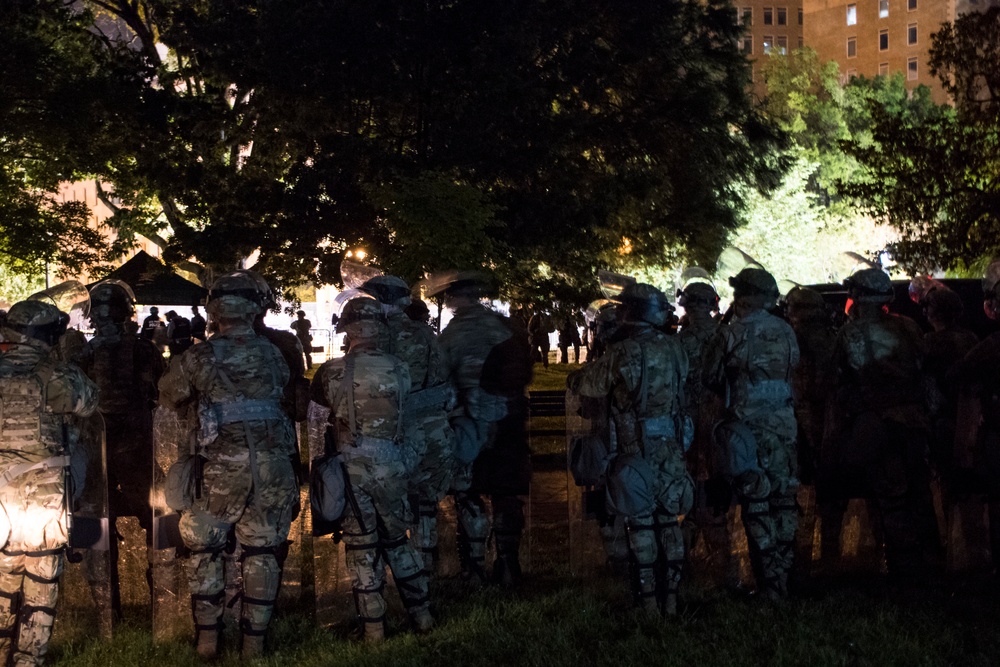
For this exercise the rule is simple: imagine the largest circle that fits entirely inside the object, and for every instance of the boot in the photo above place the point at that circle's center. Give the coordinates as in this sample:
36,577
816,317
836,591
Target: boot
252,647
374,633
422,621
207,644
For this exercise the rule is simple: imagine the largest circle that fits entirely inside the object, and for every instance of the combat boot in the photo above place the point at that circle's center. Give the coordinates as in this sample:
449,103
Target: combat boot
207,643
252,647
422,620
374,632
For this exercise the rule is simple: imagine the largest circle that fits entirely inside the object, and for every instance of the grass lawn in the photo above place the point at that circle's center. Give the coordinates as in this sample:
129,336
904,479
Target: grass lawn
555,619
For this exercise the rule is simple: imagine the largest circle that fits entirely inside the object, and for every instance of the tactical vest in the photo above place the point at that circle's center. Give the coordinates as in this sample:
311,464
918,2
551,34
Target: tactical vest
763,373
27,426
378,428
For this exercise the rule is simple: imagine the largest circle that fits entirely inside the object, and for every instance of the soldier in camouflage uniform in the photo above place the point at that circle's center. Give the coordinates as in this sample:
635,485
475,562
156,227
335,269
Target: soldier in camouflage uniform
880,431
644,374
366,391
750,363
39,395
427,406
245,445
126,369
489,365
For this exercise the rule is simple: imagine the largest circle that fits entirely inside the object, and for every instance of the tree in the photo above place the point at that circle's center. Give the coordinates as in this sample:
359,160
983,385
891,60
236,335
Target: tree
932,171
582,126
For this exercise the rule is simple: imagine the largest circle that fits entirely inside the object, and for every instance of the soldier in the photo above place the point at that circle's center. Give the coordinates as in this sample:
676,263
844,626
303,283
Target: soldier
539,327
126,368
301,327
179,334
366,391
700,302
197,325
880,430
643,374
488,364
427,406
748,366
38,395
245,446
815,334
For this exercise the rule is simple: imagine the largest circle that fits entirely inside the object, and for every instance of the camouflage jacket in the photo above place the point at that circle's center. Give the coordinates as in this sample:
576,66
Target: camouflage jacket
380,385
693,337
644,376
416,345
291,351
466,343
877,363
237,380
752,359
65,390
816,342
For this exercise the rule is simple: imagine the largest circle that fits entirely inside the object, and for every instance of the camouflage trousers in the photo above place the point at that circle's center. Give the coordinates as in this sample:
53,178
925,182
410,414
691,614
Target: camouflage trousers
474,527
374,527
252,495
767,498
656,542
30,565
430,484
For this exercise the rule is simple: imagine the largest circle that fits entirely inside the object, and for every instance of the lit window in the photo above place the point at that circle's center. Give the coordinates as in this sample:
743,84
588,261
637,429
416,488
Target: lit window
852,14
911,5
747,16
768,16
800,16
746,46
911,34
768,43
911,69
883,69
883,40
782,16
782,44
852,47
883,8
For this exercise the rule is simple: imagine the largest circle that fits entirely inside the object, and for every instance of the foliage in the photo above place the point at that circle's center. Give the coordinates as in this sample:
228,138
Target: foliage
932,171
578,124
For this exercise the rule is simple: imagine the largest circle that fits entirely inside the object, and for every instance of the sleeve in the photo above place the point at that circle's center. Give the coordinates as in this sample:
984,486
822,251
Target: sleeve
713,369
70,391
175,386
595,379
317,389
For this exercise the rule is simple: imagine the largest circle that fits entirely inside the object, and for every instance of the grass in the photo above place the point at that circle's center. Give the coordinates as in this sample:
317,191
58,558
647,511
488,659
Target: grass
555,619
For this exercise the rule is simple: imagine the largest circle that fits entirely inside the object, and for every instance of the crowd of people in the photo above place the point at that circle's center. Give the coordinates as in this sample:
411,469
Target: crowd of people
685,417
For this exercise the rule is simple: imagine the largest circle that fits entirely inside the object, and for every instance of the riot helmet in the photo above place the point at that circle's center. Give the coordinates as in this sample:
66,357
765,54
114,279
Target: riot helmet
641,302
111,301
235,295
418,311
388,290
38,320
698,293
943,306
870,286
361,319
267,299
753,281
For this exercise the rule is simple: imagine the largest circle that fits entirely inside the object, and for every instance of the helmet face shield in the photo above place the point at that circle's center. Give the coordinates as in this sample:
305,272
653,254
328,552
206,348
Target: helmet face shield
70,297
39,320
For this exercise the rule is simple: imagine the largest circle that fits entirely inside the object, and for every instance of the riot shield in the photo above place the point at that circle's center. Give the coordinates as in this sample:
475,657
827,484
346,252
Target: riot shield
588,523
613,283
732,260
334,599
71,297
171,601
355,274
85,596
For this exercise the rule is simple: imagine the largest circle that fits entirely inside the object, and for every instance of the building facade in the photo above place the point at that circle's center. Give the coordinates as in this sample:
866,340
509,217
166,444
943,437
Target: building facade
773,26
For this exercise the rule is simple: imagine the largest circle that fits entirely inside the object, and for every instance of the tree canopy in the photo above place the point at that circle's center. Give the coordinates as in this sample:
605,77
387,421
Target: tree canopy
546,138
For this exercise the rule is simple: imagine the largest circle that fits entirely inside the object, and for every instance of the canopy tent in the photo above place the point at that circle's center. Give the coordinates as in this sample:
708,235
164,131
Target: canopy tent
154,283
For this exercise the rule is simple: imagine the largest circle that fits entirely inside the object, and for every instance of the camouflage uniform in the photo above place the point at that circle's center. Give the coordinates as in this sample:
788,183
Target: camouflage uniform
126,369
879,443
427,404
494,398
32,559
644,375
365,391
237,381
752,359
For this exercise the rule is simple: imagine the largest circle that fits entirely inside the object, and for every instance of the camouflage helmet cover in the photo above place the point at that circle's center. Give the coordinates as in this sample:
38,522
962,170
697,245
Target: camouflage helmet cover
37,319
944,304
390,290
870,286
235,295
697,291
644,303
361,318
753,281
803,297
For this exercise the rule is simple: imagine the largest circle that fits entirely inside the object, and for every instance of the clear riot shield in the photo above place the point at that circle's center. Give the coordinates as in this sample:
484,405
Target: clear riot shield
587,524
732,260
334,599
613,283
71,297
171,600
85,592
355,274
